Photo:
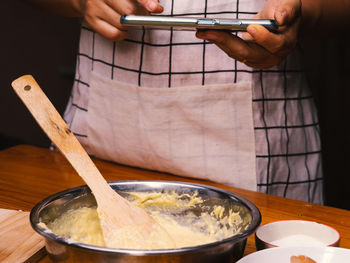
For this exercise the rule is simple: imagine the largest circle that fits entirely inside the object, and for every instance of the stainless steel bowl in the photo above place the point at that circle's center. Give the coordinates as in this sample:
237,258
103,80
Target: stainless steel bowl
61,249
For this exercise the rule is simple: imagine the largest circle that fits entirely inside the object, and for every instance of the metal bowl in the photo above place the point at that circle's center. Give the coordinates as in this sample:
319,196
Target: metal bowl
61,249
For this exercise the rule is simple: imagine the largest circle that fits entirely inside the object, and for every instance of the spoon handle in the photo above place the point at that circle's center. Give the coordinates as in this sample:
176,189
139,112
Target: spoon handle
58,131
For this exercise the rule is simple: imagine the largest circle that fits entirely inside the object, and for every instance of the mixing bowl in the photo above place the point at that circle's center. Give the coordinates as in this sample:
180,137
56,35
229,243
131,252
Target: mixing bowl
230,249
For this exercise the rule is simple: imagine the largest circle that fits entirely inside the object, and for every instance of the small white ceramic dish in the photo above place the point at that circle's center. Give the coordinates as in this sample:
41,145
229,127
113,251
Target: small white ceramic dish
298,233
283,255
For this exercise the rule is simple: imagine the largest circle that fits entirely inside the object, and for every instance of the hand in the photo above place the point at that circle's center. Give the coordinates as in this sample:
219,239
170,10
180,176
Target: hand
103,16
260,48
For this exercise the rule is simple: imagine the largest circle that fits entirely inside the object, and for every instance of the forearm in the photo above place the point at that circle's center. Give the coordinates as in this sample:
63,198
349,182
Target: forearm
73,8
324,17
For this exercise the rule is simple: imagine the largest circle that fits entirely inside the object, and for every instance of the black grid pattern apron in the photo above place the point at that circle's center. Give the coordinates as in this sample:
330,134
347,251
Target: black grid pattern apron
286,128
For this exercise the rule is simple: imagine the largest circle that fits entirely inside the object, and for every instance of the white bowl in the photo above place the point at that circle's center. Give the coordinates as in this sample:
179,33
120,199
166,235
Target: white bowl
292,233
283,255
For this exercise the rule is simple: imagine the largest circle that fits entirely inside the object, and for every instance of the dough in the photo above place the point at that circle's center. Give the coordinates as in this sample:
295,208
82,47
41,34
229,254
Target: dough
174,212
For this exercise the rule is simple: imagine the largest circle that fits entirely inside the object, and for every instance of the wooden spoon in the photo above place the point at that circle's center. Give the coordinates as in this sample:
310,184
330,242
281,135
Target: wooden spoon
124,225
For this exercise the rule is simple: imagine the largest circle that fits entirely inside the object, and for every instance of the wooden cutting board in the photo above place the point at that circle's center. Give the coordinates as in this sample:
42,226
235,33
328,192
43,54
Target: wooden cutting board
18,241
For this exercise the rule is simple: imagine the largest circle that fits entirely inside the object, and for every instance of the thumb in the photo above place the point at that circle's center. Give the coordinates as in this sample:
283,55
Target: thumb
287,12
152,6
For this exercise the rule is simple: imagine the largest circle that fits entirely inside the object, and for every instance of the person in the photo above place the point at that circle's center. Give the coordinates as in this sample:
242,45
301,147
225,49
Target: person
216,105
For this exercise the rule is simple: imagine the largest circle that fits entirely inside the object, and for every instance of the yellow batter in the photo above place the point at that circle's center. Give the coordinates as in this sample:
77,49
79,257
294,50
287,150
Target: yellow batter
168,209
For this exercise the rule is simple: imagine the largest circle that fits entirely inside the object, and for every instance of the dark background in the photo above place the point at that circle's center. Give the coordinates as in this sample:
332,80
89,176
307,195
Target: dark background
37,43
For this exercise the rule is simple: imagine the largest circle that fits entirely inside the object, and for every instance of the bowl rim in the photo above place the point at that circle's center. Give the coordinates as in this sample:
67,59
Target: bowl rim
298,221
255,223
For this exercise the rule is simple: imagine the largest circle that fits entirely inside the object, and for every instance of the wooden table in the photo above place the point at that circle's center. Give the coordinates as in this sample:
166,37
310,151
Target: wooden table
28,174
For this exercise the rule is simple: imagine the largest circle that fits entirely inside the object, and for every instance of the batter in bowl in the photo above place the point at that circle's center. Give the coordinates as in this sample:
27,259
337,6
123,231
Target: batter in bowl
170,210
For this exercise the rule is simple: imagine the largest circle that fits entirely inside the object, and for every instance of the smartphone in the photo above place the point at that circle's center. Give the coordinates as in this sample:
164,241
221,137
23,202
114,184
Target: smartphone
191,23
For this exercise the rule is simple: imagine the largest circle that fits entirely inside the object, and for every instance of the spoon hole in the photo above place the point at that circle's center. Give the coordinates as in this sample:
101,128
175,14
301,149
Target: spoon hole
27,88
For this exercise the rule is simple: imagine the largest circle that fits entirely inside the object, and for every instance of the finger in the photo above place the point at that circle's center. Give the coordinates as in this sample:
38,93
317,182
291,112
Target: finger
107,30
105,13
127,7
152,6
245,35
261,58
230,44
288,12
139,7
250,53
274,43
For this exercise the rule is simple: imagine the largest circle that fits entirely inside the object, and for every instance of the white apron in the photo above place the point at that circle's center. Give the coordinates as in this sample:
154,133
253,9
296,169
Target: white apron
167,101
